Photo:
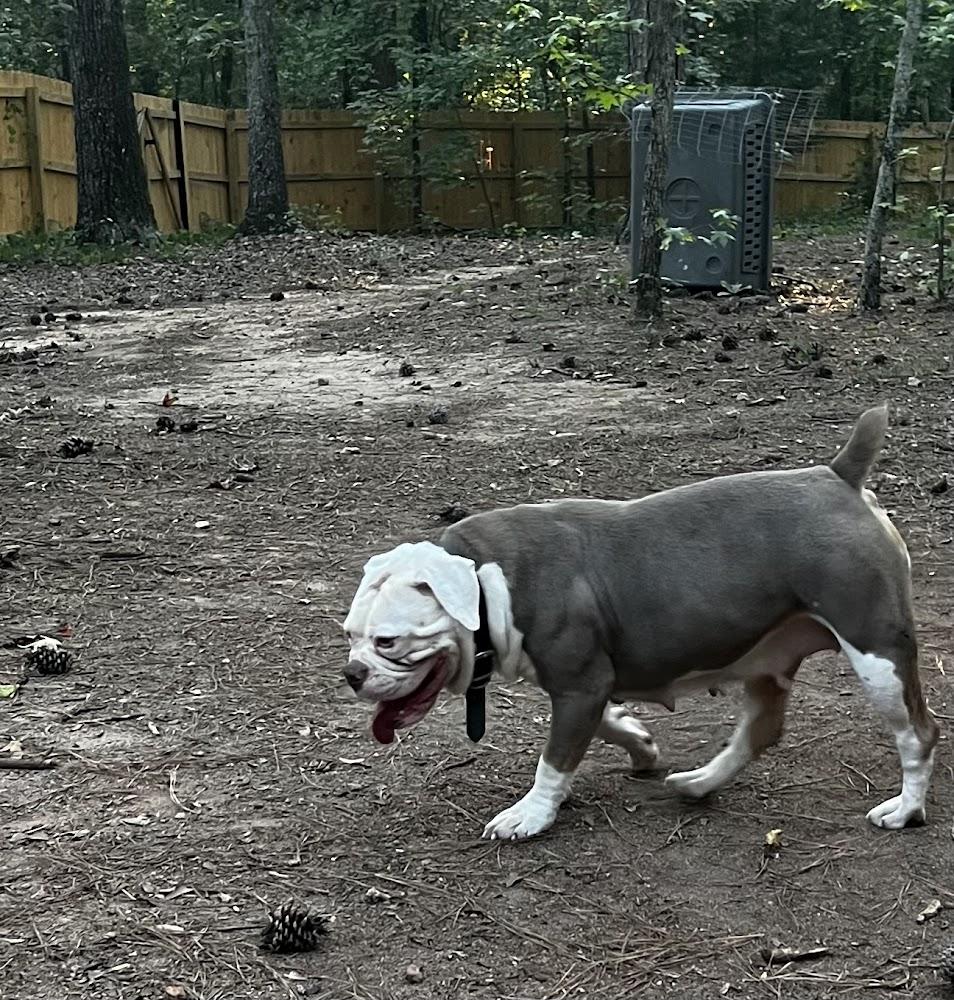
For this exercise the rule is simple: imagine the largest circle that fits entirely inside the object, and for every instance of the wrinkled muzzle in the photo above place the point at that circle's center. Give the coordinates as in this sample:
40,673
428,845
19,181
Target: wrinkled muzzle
402,695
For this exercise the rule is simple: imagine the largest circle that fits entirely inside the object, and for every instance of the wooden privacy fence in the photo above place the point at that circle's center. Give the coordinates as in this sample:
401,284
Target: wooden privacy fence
530,169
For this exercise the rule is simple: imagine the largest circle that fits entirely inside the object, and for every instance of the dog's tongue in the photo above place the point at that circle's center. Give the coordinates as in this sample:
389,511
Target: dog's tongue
404,712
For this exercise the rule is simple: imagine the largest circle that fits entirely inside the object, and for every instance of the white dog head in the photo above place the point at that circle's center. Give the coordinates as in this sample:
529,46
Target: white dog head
411,628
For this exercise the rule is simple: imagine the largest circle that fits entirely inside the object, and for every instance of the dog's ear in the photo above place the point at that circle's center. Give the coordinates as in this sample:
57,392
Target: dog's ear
377,569
452,580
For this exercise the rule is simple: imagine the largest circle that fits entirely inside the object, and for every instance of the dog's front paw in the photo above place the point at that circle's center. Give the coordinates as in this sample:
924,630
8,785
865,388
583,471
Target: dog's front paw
895,814
526,818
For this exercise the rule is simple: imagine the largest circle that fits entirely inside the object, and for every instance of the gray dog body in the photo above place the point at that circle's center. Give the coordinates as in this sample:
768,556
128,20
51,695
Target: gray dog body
735,578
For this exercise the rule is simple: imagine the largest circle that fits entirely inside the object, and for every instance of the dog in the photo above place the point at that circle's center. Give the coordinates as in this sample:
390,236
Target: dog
600,602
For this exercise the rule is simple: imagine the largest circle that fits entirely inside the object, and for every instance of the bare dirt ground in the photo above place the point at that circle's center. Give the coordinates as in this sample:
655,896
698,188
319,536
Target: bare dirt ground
211,763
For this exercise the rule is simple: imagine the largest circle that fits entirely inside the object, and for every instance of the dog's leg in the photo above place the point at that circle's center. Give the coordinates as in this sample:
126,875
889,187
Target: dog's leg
623,730
893,687
573,723
761,725
770,668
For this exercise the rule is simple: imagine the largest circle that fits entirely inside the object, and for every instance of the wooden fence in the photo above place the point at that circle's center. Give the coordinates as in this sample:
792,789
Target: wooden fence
520,167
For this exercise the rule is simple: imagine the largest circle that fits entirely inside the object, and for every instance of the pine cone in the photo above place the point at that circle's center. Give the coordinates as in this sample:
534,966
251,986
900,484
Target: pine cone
946,964
293,927
49,660
75,446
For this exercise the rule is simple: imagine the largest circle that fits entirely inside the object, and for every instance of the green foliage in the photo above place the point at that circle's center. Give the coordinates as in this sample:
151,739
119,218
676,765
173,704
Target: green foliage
849,221
59,247
724,224
843,48
582,53
189,50
32,36
62,247
318,218
508,54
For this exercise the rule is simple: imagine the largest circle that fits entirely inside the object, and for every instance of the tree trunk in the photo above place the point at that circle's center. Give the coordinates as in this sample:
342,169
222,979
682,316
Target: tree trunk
635,72
267,210
384,69
635,67
112,194
420,38
226,77
384,72
661,74
846,22
941,212
869,295
755,50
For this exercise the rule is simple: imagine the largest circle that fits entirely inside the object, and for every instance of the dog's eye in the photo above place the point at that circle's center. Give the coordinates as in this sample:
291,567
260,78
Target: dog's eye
385,642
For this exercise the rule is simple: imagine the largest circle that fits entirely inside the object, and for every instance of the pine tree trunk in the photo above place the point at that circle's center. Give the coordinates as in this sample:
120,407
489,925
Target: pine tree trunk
384,73
869,295
420,38
112,193
661,73
635,68
635,72
267,210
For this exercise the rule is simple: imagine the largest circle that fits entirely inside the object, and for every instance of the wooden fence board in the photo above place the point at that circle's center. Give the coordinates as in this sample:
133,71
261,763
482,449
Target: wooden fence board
35,153
209,202
12,132
59,142
233,174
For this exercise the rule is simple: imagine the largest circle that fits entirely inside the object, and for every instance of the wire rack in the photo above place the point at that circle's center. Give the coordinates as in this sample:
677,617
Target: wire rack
786,133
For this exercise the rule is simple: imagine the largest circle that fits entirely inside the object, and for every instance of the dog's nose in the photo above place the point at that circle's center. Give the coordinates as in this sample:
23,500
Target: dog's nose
355,674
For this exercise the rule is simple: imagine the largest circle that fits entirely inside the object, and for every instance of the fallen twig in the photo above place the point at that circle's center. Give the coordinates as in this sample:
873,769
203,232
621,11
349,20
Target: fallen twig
11,764
772,956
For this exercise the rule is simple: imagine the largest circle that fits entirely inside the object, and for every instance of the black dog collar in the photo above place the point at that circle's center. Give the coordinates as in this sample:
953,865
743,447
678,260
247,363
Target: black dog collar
484,657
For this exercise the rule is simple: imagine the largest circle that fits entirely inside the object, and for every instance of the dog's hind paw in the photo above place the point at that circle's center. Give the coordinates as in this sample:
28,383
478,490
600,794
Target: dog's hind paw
624,730
523,819
692,784
895,814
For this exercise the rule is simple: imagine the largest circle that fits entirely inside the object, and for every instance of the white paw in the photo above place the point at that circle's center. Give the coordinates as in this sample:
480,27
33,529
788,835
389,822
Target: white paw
526,818
895,814
630,733
692,784
646,757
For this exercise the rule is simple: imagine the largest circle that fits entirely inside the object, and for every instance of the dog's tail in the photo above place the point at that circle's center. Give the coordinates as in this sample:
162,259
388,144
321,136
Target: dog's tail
854,461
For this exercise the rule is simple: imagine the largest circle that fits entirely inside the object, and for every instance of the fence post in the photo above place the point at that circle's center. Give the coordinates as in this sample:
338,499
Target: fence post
516,165
590,167
182,165
232,169
34,136
379,202
567,199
